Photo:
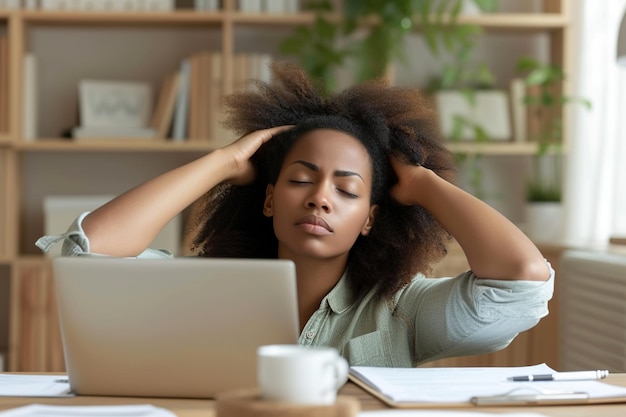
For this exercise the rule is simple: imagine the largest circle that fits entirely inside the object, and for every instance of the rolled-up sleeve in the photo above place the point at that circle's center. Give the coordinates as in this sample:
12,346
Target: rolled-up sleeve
467,315
76,243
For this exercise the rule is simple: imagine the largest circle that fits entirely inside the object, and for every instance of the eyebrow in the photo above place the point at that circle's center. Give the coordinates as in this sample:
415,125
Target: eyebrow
338,173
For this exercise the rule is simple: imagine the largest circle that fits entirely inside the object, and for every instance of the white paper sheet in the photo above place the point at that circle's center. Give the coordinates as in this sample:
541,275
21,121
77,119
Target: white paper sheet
34,386
39,410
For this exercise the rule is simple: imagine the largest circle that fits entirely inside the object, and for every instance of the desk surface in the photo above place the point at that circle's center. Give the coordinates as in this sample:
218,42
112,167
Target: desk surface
205,408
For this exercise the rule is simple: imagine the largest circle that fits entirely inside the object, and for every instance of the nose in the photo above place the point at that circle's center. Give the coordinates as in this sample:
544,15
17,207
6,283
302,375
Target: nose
319,197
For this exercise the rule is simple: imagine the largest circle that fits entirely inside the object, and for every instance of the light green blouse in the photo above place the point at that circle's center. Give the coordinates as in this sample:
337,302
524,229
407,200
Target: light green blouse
427,320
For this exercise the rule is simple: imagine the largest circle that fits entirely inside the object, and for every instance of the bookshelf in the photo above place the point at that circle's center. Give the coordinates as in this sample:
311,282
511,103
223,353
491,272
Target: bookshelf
144,46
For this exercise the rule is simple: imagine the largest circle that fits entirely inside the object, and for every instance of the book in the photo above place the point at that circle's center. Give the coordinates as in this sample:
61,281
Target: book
518,109
250,6
59,5
272,6
164,110
204,100
200,90
195,80
29,103
179,133
159,5
207,5
216,133
240,71
259,67
449,387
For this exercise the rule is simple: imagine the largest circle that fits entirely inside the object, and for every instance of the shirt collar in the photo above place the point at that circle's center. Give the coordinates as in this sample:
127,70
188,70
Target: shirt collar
340,298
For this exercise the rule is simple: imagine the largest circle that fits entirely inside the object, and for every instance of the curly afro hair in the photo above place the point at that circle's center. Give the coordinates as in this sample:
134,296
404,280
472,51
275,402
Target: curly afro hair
386,120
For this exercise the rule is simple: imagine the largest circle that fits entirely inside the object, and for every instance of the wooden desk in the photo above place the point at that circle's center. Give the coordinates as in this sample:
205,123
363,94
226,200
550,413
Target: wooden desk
205,408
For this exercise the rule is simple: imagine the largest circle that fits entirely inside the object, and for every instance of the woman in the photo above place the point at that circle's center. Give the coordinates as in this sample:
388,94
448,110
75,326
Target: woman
354,188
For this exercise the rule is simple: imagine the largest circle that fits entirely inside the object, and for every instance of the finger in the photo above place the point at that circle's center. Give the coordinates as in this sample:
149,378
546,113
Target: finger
267,134
396,163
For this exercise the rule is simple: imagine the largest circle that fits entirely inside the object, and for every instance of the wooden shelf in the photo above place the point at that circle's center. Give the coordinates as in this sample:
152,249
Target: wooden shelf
113,145
275,19
182,17
510,21
492,21
494,148
517,21
176,17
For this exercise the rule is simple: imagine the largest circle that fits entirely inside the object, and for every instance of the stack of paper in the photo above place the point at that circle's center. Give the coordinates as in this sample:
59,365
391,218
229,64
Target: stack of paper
414,387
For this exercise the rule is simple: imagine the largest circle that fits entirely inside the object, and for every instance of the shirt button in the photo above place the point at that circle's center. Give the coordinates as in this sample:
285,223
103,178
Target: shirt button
310,334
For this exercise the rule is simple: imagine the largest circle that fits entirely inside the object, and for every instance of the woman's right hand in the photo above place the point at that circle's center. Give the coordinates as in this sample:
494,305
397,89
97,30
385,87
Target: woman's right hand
240,170
127,224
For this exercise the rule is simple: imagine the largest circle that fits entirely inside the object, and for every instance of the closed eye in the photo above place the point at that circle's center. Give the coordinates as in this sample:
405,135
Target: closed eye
344,192
347,194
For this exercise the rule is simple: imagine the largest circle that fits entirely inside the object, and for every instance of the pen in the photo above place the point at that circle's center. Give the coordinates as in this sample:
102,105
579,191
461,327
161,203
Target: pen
562,376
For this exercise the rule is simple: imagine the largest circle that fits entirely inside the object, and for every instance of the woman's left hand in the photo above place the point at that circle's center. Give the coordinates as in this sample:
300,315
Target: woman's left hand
406,191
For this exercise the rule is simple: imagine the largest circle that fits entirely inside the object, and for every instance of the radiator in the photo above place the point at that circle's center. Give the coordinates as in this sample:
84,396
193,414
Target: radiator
592,310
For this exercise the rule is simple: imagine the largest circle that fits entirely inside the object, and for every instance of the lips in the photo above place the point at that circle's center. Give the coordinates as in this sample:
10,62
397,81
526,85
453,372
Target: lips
314,221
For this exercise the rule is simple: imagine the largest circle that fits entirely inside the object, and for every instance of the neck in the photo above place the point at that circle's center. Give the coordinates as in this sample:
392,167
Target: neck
315,279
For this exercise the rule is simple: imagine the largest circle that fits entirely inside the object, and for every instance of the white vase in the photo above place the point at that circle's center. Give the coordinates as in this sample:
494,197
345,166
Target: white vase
544,222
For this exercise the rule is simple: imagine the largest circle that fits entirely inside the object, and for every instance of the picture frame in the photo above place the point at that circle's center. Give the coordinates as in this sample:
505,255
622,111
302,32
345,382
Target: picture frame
104,103
488,109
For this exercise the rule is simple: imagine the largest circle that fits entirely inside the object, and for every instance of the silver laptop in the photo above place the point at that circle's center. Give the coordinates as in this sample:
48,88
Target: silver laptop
185,327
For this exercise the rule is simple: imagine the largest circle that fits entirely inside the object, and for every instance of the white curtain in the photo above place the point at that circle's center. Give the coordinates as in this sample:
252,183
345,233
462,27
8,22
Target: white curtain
595,191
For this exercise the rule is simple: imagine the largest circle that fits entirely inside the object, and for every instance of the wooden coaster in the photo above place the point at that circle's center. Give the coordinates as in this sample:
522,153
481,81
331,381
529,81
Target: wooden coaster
248,403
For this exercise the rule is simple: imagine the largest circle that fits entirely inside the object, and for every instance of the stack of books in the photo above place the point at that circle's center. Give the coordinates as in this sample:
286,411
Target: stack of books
189,103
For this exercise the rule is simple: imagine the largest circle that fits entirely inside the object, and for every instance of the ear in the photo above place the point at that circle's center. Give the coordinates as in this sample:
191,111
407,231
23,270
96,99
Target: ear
369,221
268,204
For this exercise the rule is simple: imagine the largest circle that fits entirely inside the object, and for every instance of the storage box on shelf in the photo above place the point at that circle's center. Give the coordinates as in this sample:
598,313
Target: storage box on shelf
145,47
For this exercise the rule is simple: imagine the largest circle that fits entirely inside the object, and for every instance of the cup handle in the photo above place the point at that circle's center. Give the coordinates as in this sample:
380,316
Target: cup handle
341,372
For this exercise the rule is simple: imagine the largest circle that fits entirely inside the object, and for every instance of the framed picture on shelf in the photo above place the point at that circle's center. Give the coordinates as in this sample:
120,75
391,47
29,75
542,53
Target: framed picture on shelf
115,103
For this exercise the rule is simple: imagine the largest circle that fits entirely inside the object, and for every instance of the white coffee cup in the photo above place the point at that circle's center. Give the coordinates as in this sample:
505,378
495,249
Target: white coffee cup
299,374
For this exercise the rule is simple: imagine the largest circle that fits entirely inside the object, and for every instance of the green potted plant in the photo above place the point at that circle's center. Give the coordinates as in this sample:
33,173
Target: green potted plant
544,101
334,39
